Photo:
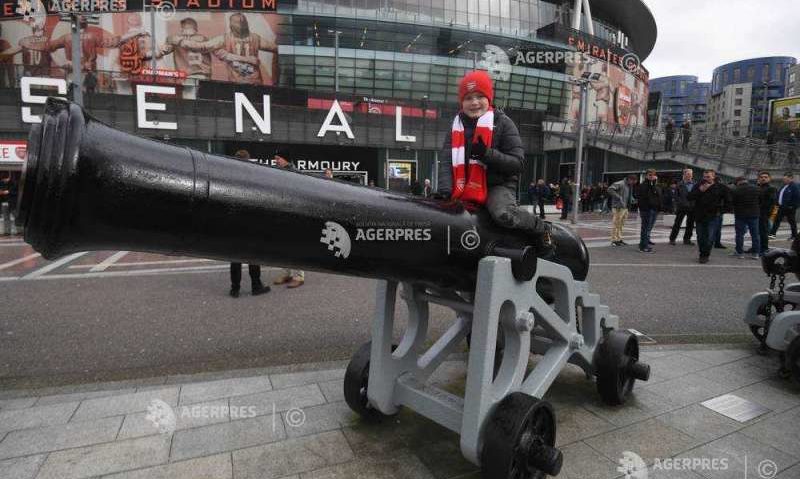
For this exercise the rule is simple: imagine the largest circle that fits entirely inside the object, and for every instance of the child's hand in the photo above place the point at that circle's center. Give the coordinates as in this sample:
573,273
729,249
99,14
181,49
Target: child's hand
478,150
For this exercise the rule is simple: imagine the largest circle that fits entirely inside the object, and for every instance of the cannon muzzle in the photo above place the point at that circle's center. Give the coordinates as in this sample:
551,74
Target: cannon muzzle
87,186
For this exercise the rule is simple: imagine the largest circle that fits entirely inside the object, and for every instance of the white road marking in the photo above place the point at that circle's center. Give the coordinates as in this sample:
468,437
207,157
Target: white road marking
103,265
52,266
143,263
9,245
142,272
18,261
667,265
132,273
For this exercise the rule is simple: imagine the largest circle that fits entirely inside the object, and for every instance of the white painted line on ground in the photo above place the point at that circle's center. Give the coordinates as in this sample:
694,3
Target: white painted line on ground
52,266
133,273
18,261
667,265
9,245
103,265
142,272
144,263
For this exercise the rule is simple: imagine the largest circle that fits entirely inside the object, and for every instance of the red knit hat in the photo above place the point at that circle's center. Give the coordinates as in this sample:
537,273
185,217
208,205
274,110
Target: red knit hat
476,81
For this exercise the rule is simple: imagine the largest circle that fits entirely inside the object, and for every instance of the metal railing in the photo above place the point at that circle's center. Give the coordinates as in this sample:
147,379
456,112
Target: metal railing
748,153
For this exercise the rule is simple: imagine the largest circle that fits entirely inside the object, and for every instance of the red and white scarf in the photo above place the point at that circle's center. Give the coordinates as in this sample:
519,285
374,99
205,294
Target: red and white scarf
469,182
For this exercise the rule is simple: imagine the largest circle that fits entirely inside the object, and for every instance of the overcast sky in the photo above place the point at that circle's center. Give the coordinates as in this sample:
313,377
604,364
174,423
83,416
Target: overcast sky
695,36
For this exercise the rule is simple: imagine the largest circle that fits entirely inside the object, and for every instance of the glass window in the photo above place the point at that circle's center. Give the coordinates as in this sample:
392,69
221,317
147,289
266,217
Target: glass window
765,72
737,75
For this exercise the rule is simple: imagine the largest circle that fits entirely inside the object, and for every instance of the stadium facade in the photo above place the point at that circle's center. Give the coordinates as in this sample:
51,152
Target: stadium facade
365,87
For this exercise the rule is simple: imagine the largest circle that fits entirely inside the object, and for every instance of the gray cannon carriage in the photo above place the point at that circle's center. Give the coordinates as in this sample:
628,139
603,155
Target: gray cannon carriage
773,315
87,186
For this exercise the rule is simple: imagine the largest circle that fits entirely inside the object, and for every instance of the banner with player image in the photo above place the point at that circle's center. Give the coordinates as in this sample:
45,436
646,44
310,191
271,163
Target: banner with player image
239,47
617,96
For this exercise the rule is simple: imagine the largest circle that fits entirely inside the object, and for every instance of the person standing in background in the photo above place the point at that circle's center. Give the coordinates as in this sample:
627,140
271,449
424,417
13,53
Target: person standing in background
649,206
684,208
621,194
565,190
669,131
725,207
788,200
292,278
427,188
746,199
686,131
538,193
708,197
766,204
257,287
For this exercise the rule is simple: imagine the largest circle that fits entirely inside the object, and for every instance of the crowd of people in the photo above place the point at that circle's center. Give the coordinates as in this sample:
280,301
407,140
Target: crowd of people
758,209
699,208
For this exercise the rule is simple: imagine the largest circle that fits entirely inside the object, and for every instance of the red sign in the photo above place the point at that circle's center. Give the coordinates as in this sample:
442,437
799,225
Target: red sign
13,151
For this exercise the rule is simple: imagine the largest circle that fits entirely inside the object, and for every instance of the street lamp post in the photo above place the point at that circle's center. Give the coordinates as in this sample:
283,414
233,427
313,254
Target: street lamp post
583,84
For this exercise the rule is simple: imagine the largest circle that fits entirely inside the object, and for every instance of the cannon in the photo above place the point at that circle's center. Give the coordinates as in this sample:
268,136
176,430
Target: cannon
87,186
773,316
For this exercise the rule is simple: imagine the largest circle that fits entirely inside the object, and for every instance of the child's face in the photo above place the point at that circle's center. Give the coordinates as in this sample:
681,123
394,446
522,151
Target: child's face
475,105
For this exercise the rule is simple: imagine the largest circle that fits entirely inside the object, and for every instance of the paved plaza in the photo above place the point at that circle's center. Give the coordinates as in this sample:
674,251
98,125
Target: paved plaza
292,423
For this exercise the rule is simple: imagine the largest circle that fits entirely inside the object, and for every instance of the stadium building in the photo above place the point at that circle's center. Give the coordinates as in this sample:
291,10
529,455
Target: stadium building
365,87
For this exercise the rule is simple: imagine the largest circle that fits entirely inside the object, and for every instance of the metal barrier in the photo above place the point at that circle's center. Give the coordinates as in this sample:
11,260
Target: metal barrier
747,153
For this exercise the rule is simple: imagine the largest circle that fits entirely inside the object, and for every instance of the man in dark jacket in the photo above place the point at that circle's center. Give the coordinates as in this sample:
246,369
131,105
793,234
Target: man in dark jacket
788,200
684,208
686,131
746,200
538,193
708,197
504,159
769,198
669,131
649,206
725,208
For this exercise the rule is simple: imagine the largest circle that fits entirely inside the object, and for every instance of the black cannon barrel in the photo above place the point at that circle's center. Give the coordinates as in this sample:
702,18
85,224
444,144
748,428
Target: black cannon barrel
87,186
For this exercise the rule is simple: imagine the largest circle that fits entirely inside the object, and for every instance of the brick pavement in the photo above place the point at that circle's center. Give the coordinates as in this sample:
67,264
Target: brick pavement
292,422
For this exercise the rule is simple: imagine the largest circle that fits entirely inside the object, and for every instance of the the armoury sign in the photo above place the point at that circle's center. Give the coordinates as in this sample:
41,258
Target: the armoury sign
28,8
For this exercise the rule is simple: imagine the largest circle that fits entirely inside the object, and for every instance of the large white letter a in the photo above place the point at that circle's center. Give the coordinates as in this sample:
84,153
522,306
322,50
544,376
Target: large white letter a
336,110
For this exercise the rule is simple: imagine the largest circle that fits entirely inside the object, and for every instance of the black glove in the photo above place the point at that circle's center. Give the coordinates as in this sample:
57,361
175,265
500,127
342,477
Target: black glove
477,151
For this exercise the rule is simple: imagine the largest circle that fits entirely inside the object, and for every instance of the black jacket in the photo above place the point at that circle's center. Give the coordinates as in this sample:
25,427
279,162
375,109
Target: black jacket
707,204
746,200
504,160
649,196
769,198
791,197
682,202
